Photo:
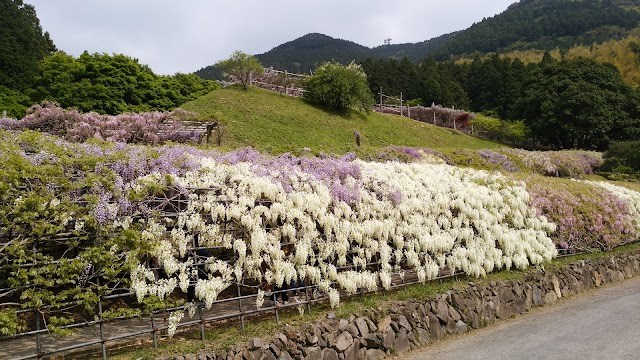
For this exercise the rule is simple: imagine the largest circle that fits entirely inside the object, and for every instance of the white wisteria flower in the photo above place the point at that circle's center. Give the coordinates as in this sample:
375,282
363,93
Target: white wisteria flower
283,225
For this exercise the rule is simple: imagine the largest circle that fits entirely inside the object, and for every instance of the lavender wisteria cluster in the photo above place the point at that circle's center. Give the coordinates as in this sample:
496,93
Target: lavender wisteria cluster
410,154
564,163
589,215
150,127
500,159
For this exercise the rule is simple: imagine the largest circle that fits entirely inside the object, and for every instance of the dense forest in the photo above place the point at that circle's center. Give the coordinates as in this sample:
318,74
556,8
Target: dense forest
32,70
545,24
570,103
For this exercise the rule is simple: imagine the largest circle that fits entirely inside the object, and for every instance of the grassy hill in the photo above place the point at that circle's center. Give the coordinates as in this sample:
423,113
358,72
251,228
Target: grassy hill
276,123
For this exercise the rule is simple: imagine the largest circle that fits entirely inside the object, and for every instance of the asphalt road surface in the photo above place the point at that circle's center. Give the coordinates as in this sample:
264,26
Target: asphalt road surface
601,324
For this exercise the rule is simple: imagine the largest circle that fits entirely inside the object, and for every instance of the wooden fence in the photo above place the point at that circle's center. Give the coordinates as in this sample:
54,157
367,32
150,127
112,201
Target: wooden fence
435,114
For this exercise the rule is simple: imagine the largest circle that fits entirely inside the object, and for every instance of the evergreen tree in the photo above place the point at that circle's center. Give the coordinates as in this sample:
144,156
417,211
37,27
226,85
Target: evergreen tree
22,44
574,103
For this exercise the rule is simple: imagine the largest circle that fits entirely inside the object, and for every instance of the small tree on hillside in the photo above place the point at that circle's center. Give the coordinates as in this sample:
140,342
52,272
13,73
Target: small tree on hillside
241,67
339,86
623,157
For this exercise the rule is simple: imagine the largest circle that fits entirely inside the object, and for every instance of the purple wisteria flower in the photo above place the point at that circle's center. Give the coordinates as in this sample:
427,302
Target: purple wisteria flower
498,159
587,217
149,127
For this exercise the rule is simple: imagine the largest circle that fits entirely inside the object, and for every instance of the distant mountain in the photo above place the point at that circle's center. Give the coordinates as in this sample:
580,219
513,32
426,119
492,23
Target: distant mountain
307,52
412,51
528,24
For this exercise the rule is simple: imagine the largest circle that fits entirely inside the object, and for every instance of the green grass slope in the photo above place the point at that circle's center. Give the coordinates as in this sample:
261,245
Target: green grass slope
276,123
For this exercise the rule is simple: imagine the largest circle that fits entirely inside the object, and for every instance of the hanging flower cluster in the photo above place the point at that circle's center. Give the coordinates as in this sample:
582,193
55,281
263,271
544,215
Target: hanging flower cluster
293,219
156,219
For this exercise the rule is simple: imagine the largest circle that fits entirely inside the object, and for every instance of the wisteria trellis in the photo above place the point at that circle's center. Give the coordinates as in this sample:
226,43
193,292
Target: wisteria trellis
292,217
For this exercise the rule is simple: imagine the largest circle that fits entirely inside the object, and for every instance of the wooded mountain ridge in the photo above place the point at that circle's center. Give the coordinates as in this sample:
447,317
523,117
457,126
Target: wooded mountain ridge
525,25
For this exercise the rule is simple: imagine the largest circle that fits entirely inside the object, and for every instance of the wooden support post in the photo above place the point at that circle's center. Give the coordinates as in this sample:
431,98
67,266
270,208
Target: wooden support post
209,133
103,344
38,335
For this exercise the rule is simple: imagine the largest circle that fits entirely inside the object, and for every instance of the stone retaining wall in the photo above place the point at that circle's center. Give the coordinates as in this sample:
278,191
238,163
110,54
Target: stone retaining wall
404,325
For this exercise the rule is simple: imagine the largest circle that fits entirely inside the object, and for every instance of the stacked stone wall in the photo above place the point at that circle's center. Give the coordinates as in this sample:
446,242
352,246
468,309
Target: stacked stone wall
404,325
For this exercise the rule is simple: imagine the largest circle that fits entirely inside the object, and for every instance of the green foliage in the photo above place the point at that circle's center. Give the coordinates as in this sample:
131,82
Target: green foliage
574,104
544,24
10,323
22,44
513,132
429,81
13,102
241,67
211,72
494,84
57,257
339,87
623,157
112,84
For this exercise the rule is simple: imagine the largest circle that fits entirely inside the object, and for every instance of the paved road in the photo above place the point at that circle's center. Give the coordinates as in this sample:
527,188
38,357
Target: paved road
603,324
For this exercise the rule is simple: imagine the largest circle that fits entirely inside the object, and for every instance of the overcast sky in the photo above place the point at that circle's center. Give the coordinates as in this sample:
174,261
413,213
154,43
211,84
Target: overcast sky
183,36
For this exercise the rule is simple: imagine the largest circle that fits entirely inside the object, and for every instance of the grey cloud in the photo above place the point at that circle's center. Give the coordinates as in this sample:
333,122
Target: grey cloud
183,36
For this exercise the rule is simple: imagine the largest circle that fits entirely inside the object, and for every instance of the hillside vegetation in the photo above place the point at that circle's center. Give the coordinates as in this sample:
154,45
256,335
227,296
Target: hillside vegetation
276,123
545,24
32,71
623,53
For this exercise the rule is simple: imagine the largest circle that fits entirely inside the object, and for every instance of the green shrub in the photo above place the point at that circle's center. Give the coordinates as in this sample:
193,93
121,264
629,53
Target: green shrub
12,102
340,87
623,158
514,132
